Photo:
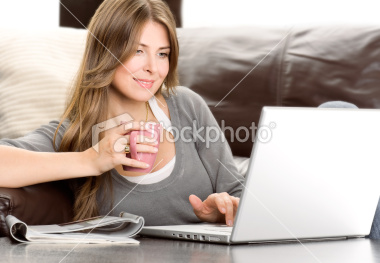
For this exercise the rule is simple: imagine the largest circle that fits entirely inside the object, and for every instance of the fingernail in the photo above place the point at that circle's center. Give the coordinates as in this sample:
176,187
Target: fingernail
229,222
223,210
146,165
155,150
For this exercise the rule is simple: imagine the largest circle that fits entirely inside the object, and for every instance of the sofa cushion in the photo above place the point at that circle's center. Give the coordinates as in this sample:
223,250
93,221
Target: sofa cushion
36,69
47,203
330,63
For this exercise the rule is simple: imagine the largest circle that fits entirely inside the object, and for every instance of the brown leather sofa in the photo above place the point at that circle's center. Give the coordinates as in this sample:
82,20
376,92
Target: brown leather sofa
238,71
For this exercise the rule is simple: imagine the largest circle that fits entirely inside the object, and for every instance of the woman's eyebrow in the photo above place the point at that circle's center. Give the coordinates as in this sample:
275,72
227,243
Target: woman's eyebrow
144,45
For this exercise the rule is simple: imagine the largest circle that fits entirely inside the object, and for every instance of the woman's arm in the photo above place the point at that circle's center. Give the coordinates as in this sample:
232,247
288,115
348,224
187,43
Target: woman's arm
215,152
216,156
33,160
20,167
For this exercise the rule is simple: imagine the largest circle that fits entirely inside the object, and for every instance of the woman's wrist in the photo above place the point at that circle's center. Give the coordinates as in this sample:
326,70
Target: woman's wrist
91,162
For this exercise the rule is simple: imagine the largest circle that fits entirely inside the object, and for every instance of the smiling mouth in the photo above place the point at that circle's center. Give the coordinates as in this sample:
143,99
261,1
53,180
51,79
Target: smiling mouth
144,83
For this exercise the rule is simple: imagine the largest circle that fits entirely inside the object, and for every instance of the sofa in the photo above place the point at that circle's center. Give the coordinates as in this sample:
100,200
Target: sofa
236,70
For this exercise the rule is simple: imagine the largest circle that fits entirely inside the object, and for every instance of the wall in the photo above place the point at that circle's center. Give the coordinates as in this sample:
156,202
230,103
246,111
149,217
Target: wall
29,13
196,13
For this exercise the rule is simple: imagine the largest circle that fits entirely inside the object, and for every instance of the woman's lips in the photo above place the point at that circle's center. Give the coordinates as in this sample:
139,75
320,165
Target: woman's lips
144,83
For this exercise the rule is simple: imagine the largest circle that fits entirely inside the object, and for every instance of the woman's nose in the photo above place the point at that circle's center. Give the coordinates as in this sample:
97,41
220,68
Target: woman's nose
150,64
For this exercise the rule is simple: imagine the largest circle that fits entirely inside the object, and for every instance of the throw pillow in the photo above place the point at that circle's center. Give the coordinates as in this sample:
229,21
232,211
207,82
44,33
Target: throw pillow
37,69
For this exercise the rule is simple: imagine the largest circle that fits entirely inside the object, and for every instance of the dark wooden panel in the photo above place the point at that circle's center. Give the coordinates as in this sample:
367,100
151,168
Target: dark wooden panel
70,11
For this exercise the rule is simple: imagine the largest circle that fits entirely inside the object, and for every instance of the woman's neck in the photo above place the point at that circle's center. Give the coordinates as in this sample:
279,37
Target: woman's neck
136,109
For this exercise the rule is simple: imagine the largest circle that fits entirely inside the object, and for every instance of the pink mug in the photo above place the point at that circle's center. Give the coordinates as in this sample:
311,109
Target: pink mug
152,131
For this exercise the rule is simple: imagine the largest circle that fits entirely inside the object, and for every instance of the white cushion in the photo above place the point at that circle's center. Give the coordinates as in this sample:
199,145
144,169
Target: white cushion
242,164
37,67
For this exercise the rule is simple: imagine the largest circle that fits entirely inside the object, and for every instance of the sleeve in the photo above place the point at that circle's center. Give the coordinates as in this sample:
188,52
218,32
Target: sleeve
214,150
39,140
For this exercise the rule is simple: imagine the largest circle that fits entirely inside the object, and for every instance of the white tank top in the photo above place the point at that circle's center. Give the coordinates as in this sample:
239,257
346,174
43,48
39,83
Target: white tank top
165,171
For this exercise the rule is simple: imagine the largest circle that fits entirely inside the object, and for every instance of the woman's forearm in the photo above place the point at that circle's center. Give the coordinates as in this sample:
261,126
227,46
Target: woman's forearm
19,167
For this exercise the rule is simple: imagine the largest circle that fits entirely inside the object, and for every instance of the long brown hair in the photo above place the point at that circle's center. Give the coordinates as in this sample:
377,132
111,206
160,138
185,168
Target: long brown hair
111,38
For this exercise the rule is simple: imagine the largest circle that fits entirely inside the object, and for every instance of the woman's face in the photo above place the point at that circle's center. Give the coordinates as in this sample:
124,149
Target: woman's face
140,77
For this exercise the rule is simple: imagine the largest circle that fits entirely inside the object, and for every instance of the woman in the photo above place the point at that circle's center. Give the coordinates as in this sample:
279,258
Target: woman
130,66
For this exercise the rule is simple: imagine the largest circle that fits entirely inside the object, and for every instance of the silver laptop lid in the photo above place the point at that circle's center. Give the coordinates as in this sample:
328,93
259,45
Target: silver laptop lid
314,173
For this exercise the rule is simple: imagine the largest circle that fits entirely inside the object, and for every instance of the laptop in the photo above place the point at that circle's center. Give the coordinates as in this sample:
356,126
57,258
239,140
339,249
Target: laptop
313,175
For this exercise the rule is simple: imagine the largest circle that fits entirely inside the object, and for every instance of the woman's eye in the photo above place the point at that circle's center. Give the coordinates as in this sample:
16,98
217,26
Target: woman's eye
139,51
163,55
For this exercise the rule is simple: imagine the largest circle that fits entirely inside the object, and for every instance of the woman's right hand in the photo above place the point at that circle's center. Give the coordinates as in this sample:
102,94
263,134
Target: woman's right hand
110,149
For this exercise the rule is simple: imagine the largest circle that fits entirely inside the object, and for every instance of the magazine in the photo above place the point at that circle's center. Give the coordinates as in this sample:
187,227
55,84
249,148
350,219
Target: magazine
100,229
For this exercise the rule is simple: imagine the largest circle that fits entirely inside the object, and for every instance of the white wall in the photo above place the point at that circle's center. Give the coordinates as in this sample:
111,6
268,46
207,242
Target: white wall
29,13
198,13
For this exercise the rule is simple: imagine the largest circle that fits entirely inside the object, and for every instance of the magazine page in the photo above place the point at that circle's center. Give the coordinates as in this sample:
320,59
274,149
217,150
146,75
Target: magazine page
82,238
17,228
92,230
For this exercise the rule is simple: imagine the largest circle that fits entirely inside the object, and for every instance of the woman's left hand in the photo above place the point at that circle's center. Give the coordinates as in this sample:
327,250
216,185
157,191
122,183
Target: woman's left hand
217,208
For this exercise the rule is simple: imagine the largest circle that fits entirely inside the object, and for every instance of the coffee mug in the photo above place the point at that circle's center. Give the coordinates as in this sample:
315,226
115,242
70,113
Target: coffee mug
152,131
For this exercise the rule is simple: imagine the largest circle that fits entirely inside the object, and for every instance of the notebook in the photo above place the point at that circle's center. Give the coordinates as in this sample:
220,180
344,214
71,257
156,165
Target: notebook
313,175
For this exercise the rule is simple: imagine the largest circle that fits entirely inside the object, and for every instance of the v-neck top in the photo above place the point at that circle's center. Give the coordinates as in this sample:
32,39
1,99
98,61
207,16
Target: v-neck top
202,167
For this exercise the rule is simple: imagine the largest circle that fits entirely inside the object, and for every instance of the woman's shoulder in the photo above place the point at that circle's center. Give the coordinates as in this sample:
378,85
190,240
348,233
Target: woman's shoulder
54,124
40,139
186,96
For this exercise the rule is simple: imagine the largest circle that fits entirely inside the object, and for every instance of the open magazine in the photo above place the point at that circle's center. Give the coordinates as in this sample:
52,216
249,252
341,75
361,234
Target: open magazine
101,229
